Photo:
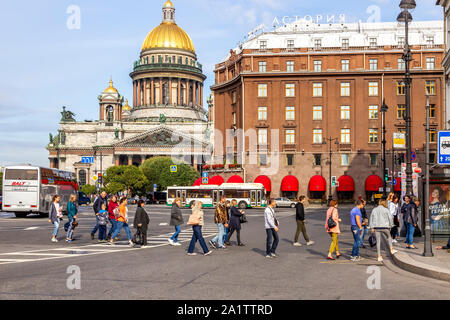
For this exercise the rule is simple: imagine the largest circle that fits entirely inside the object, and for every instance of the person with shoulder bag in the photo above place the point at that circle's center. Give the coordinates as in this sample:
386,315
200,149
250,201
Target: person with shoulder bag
235,223
55,216
112,206
122,222
381,223
410,218
176,220
332,227
141,221
196,221
220,219
72,216
272,227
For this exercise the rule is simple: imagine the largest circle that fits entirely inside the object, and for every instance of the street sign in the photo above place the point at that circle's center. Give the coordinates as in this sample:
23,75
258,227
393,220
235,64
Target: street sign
87,159
394,182
173,168
399,140
205,174
413,156
155,187
205,180
444,147
95,178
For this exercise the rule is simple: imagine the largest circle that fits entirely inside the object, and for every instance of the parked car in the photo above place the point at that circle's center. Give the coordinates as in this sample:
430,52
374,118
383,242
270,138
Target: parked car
160,197
285,202
83,199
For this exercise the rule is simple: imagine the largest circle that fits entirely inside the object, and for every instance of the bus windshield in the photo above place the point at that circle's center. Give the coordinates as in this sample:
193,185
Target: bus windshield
21,174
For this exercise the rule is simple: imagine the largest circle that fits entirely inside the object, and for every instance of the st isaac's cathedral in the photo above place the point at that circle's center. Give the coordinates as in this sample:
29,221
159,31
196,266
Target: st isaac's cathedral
166,118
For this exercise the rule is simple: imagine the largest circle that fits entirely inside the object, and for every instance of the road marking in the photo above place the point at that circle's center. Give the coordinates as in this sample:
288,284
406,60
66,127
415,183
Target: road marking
163,224
31,228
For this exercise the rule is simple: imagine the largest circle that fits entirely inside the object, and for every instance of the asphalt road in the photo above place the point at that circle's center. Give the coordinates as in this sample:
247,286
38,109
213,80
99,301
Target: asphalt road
31,267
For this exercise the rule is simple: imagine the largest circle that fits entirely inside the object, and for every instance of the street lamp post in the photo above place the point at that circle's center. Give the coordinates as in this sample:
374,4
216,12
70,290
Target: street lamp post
406,17
427,248
384,109
330,193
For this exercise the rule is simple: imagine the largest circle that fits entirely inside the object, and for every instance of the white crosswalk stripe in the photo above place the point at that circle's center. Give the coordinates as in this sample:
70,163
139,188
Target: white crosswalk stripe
98,248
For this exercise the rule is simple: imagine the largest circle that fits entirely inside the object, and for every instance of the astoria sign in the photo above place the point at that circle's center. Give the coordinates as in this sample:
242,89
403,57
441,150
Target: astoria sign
329,18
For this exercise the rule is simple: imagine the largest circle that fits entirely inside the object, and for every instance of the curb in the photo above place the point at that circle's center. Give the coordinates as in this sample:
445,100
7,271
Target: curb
405,262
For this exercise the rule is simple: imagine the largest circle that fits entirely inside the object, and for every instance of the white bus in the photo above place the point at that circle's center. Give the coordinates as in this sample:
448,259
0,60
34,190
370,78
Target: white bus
248,195
29,189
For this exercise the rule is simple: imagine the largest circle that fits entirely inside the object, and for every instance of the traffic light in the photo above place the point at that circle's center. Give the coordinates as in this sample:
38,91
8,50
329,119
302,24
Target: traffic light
386,174
333,181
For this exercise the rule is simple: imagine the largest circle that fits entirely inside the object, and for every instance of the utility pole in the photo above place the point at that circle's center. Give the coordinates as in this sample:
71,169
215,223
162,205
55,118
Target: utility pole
330,192
427,248
384,109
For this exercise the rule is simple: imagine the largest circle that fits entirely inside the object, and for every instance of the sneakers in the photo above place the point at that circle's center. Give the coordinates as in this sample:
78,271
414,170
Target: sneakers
130,243
92,236
297,244
394,241
355,259
380,259
269,256
54,240
212,244
228,244
208,253
176,244
171,242
222,248
191,254
274,255
393,251
310,243
241,245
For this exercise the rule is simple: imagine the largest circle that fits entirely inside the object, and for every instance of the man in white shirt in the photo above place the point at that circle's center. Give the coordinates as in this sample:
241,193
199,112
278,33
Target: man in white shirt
271,224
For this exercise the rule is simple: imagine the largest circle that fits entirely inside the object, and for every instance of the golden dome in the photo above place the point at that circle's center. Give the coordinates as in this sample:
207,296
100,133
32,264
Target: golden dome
126,107
111,88
168,35
168,4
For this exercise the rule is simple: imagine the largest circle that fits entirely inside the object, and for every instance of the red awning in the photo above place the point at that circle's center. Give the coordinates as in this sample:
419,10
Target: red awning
235,179
317,183
265,181
373,183
398,186
346,183
289,183
197,182
216,180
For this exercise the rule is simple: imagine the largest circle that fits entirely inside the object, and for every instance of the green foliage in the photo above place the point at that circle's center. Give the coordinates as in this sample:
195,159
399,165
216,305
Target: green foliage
125,178
1,182
88,189
157,171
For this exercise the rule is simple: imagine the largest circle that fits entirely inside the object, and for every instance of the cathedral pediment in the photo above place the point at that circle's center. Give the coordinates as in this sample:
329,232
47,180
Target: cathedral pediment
162,136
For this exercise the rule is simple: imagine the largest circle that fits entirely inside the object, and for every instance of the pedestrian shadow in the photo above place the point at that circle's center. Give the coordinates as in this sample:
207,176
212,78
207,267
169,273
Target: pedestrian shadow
288,241
259,251
317,253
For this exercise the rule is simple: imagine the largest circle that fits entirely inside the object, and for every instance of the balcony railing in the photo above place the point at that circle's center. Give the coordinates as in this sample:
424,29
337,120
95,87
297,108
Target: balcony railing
139,66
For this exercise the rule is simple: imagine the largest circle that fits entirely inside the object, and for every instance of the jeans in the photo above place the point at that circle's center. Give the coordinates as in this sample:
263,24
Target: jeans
102,232
113,226
301,228
56,228
219,237
334,243
227,230
197,235
271,247
119,226
363,234
357,239
175,235
70,230
94,230
409,233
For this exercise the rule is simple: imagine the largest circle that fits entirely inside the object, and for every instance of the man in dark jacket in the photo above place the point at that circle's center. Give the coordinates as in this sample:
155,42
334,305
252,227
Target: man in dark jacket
97,207
300,217
141,221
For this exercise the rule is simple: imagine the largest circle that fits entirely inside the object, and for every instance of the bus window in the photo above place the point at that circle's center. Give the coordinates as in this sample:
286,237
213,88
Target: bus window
172,193
192,194
20,174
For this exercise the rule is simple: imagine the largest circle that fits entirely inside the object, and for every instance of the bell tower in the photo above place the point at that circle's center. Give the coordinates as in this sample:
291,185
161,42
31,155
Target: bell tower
168,12
110,105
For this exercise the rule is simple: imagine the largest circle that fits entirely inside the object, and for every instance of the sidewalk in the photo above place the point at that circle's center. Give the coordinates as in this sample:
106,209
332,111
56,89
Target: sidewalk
412,260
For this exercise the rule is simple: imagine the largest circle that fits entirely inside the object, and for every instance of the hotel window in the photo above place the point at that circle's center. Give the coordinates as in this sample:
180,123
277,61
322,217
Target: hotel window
262,136
317,89
290,136
290,90
345,136
262,66
317,43
317,159
262,90
432,135
290,44
430,87
345,43
430,63
400,88
290,66
234,119
290,159
373,89
262,113
345,64
401,111
373,159
262,159
317,113
401,42
430,41
263,45
290,113
345,89
345,159
373,42
432,111
233,97
373,135
317,65
317,136
401,64
345,112
373,112
373,64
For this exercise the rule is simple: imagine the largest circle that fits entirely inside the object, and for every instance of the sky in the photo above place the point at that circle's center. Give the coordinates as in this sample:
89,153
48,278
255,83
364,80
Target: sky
48,60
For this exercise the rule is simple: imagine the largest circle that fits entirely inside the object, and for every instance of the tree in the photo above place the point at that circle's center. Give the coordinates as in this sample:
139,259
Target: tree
1,182
88,189
157,171
125,178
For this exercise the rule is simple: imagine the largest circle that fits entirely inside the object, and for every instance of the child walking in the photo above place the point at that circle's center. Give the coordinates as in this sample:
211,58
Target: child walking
102,219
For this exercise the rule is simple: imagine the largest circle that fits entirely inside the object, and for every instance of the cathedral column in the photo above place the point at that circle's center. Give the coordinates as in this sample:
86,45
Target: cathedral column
152,91
160,91
179,92
134,93
201,95
138,93
170,90
116,160
130,160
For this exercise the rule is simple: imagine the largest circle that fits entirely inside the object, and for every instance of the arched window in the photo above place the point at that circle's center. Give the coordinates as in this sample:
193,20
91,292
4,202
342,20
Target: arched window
109,114
187,61
82,177
153,59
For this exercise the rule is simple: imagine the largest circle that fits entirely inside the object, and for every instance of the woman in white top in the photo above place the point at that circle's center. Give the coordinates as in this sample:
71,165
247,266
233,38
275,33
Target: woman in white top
55,215
394,210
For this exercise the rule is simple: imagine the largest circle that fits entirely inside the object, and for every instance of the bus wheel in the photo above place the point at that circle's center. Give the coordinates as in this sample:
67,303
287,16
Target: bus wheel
21,214
191,205
242,205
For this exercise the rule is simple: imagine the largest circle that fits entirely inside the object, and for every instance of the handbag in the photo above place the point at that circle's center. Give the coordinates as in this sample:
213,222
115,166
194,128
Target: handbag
243,219
372,241
193,220
330,222
275,220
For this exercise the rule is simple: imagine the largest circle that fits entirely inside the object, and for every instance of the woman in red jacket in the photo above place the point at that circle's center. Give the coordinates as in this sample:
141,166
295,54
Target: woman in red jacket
112,219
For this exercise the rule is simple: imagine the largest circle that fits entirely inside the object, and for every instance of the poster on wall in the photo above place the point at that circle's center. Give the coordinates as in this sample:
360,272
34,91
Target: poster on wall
439,203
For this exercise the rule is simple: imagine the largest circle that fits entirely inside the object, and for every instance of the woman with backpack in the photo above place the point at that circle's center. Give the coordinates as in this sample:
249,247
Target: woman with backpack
122,221
332,226
55,216
381,223
197,222
72,216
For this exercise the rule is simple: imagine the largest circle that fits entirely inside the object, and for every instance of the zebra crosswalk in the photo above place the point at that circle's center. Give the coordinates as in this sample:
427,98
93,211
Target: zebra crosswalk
70,251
